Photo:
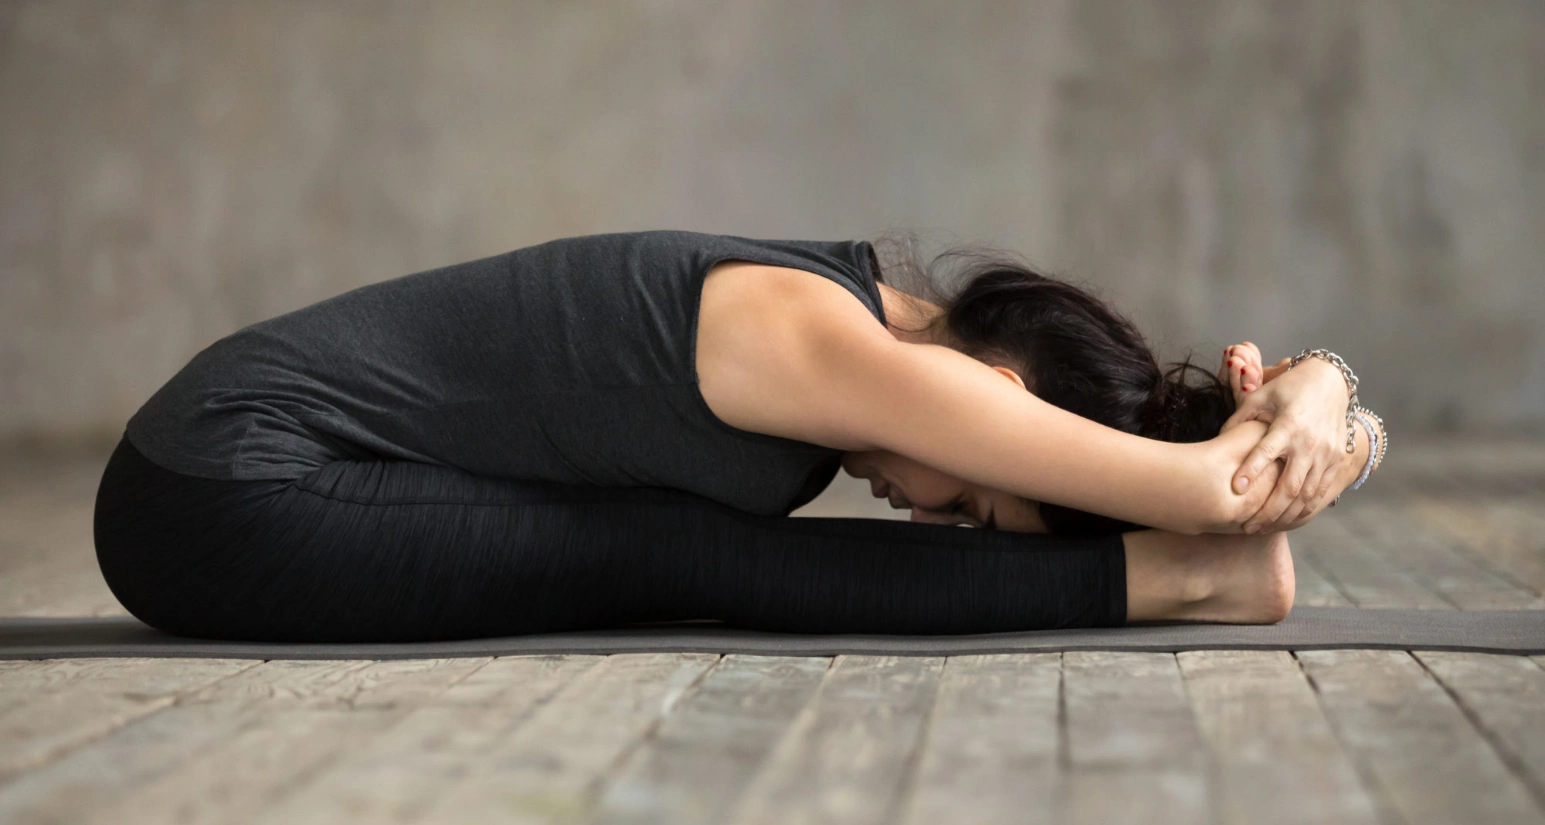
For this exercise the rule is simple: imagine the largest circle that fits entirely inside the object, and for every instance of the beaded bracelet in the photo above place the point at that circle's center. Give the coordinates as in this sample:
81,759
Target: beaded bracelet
1346,373
1373,450
1382,442
1376,444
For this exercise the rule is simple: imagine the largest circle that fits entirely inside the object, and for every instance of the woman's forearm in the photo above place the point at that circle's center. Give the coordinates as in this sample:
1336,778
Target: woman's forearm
954,413
1013,441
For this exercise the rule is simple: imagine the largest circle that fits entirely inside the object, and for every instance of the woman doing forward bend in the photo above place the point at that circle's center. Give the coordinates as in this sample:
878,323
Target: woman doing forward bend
613,428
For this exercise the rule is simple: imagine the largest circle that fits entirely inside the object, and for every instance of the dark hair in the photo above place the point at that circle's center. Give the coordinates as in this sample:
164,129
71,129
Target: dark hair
1072,350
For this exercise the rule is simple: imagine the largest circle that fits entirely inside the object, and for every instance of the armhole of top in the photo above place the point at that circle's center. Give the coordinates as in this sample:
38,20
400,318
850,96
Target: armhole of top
872,284
699,278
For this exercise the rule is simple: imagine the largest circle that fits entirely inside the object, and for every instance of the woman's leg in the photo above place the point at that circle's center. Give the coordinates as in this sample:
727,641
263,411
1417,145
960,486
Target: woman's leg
389,551
1210,577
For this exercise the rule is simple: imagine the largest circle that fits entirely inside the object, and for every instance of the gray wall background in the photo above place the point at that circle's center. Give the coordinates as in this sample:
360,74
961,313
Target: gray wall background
1366,175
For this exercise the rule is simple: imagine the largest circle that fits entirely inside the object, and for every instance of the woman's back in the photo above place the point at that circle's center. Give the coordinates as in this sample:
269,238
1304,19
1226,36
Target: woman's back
569,361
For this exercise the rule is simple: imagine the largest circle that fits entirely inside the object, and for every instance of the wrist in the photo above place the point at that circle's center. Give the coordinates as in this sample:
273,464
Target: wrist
1354,462
1330,376
1326,358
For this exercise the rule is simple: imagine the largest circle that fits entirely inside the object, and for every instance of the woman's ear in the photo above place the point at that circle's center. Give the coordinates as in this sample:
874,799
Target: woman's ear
1011,375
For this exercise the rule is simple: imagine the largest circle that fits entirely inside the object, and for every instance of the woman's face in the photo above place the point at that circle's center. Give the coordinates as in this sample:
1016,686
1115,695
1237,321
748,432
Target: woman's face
937,498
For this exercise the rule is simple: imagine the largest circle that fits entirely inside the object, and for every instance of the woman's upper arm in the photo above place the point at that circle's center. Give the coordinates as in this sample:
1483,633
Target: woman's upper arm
820,369
799,357
952,412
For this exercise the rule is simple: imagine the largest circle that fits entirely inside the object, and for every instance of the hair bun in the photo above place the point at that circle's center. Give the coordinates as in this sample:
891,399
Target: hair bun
1181,411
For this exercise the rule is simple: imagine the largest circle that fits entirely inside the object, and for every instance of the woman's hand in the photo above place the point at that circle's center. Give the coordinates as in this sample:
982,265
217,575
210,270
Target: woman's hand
1306,410
1223,456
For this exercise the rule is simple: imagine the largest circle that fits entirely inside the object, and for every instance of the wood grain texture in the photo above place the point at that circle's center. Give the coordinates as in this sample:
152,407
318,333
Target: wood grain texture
994,743
1275,757
1311,587
552,767
1367,577
1134,751
850,754
1434,560
705,754
88,780
1413,740
397,774
1505,697
1508,535
280,749
56,705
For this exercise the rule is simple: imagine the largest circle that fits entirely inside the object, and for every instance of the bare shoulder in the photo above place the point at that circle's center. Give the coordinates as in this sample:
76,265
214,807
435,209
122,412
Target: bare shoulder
762,331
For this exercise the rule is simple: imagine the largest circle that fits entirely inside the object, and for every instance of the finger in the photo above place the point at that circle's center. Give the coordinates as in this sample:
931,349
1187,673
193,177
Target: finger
1294,509
1270,448
1282,496
1318,484
1310,512
1253,376
1270,475
1302,504
1255,352
1260,491
1250,368
1321,497
1223,368
1236,371
1250,354
1250,378
1306,499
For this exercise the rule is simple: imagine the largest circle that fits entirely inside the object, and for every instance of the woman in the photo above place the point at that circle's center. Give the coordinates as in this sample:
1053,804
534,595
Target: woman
612,428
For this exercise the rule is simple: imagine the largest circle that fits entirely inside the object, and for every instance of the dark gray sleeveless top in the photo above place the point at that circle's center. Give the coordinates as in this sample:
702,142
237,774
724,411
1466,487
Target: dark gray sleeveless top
570,361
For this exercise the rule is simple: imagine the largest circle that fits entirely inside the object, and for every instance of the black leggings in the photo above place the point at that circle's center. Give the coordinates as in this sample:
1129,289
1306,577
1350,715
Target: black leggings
386,551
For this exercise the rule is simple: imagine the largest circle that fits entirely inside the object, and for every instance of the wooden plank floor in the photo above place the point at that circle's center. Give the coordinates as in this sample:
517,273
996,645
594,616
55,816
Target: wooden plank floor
1353,736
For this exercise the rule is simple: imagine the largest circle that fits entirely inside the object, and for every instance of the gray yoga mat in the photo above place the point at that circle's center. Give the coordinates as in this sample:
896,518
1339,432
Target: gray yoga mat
1307,628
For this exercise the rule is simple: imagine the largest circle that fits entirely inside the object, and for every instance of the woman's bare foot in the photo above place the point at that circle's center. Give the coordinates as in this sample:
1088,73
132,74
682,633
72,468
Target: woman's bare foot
1209,577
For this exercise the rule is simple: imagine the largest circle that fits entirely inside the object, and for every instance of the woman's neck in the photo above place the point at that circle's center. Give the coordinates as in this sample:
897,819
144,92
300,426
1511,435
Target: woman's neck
910,319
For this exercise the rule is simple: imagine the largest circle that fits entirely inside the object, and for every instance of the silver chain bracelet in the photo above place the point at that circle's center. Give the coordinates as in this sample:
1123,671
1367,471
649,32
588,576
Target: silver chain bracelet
1351,379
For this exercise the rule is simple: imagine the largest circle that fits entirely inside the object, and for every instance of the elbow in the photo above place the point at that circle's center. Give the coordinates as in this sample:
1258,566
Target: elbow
1216,508
1205,510
1213,509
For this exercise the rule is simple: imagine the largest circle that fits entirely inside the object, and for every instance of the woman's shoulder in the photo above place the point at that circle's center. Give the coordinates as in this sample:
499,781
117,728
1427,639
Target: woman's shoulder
741,295
763,336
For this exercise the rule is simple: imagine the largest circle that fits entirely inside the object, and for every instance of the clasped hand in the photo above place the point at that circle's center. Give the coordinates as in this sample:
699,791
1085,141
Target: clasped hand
1305,408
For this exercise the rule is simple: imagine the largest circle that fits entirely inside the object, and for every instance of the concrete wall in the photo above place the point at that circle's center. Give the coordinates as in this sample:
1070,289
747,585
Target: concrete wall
1367,176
